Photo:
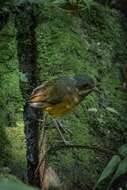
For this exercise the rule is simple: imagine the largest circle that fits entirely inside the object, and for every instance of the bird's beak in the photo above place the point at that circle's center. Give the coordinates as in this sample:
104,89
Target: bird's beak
85,92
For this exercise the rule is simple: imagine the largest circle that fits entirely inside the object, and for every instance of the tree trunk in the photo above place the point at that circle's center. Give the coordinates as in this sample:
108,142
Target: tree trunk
27,53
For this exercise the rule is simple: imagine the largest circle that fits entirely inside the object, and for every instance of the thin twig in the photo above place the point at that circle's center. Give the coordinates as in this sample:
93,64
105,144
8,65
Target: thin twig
79,146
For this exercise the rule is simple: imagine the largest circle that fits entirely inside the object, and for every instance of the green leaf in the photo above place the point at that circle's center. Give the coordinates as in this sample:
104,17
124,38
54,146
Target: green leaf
122,169
18,2
73,2
59,2
88,4
92,110
123,150
109,169
6,184
112,110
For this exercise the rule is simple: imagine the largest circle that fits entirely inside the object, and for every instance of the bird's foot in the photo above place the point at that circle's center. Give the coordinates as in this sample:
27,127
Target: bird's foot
63,127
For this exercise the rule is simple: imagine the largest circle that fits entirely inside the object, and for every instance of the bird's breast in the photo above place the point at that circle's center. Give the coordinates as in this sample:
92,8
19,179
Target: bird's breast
63,107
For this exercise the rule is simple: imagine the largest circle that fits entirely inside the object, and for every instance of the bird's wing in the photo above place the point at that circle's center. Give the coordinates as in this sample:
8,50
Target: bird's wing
48,92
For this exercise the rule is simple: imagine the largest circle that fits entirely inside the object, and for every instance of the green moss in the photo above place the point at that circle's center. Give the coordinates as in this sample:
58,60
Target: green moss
18,149
4,148
10,96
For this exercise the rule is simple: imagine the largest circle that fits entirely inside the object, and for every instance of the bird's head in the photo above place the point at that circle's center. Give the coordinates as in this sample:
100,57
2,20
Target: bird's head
85,85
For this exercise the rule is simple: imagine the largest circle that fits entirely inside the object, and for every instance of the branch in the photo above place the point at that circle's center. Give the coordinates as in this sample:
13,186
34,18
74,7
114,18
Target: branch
55,148
95,148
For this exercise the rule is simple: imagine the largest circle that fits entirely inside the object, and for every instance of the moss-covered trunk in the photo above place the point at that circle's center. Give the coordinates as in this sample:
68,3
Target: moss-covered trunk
26,46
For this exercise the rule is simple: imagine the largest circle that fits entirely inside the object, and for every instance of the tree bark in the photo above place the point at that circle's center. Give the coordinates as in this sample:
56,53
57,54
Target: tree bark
27,53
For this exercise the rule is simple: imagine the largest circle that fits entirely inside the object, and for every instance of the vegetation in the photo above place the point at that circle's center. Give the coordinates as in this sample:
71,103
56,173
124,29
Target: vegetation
13,184
73,37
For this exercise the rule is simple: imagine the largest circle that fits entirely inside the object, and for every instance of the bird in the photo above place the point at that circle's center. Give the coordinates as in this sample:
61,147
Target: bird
61,95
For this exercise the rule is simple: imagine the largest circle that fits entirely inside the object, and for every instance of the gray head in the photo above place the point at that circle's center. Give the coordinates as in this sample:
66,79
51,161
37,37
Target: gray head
84,84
